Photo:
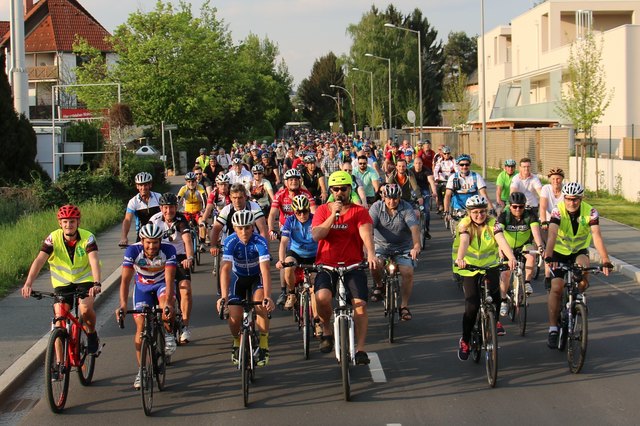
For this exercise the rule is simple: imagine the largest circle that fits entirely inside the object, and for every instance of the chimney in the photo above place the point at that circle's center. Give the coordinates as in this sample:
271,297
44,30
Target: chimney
28,5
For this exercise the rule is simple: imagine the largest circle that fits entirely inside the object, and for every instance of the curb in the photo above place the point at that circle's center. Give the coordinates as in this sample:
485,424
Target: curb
14,376
624,268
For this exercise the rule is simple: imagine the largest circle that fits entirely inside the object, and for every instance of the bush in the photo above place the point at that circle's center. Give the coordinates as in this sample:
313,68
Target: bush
132,165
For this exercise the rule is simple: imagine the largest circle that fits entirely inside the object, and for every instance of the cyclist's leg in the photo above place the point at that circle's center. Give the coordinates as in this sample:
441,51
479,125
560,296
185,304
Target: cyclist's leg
555,294
323,289
471,306
357,291
87,311
183,278
405,267
141,298
582,259
237,291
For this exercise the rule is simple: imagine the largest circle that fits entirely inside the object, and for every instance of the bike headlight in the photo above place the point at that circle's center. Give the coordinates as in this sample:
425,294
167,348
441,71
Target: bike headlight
489,299
391,268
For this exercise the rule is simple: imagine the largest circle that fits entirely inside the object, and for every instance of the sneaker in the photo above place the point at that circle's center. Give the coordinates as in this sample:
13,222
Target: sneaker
263,357
281,299
326,344
137,383
235,355
169,344
291,301
552,340
93,343
504,308
547,283
463,350
318,329
528,289
500,329
427,235
185,336
57,374
362,358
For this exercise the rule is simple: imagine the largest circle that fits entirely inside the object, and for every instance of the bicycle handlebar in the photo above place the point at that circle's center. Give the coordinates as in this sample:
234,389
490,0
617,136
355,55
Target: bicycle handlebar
503,266
341,270
80,292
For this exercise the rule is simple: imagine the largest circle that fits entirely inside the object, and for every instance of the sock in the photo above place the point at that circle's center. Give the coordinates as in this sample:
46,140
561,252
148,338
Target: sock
236,342
553,328
264,341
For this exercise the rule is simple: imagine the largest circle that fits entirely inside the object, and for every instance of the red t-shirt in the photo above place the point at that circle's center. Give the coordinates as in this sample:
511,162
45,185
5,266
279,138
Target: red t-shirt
282,201
343,243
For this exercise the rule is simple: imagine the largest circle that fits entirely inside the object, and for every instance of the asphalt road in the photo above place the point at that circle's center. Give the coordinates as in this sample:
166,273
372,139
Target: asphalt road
424,382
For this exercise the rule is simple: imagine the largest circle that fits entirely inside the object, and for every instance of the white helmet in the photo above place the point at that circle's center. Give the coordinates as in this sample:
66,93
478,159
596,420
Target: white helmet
223,178
242,218
292,173
476,202
150,230
572,189
143,177
392,191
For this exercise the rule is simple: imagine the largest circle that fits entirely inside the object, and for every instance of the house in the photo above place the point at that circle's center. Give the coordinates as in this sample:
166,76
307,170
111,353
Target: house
51,26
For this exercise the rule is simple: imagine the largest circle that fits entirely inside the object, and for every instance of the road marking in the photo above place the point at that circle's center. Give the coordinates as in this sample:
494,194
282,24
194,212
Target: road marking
375,368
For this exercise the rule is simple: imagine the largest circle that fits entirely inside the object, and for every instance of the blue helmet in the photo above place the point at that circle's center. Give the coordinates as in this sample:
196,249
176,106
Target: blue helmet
463,157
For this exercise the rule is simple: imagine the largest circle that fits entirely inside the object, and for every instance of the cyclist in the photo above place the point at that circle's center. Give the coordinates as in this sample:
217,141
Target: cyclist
313,179
192,199
572,226
141,207
175,228
369,177
152,264
72,253
218,199
357,188
528,184
462,185
550,196
427,185
331,162
271,172
238,173
503,183
245,268
444,167
202,179
427,154
479,241
296,244
406,180
395,229
202,160
214,168
224,159
261,189
342,230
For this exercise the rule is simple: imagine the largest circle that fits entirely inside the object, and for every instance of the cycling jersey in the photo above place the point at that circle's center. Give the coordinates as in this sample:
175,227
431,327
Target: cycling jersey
173,231
194,201
311,181
444,169
504,180
225,215
149,272
463,187
142,210
219,200
282,201
259,192
299,234
517,232
245,258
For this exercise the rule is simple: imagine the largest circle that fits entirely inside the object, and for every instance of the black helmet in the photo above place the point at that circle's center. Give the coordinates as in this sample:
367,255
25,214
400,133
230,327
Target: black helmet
517,198
168,199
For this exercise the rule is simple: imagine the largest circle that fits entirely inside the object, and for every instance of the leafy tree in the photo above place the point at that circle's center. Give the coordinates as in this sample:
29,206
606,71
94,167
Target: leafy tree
461,54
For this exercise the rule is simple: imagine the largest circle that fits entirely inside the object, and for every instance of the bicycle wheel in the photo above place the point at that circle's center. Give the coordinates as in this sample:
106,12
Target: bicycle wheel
194,245
345,357
476,340
423,229
307,330
577,348
56,372
245,365
537,266
491,347
520,307
87,361
160,360
146,376
391,300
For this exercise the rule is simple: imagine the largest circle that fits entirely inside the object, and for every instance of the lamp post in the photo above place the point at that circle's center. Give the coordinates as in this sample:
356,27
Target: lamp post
337,104
371,81
417,32
353,107
389,63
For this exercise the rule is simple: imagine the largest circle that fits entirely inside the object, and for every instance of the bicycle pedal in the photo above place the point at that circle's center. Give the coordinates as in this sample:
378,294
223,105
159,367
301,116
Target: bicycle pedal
99,351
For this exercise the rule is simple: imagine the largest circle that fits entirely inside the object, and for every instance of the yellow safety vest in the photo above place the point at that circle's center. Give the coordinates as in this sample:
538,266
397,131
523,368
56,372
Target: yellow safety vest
203,161
482,251
568,243
63,271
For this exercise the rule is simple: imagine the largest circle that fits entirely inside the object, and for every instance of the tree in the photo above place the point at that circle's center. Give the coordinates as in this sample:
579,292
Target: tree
461,54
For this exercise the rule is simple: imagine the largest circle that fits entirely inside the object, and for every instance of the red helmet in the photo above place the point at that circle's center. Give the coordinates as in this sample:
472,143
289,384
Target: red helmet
69,212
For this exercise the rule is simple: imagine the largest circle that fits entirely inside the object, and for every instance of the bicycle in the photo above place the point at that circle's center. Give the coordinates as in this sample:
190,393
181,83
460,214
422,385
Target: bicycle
451,220
303,311
423,227
391,284
249,342
517,296
195,243
153,360
343,324
67,348
572,320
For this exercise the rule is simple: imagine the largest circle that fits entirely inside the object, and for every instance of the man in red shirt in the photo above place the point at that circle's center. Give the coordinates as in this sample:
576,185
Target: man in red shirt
427,154
342,230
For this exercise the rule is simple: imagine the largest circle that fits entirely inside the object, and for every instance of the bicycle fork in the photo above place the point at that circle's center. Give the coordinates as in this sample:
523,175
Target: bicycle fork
346,314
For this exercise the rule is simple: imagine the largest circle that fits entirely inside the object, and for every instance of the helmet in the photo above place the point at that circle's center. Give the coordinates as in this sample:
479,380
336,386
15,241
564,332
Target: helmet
203,151
236,160
300,202
476,202
517,198
340,178
242,218
168,199
143,177
292,173
190,176
392,191
254,148
463,157
265,155
510,162
408,151
222,178
69,211
557,171
310,158
258,168
572,189
150,230
446,150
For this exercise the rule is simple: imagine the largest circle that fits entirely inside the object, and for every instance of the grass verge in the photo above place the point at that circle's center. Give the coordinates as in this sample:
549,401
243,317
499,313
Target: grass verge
21,241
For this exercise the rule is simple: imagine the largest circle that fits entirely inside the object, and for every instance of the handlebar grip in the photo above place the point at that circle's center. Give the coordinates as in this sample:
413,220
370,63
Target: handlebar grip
121,318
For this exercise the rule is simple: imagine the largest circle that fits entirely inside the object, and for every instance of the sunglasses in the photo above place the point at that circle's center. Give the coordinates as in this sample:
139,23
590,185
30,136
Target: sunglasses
257,173
301,212
463,164
339,188
363,164
517,206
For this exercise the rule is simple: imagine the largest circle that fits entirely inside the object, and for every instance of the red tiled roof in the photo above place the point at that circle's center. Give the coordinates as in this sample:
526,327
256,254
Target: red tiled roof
52,25
5,26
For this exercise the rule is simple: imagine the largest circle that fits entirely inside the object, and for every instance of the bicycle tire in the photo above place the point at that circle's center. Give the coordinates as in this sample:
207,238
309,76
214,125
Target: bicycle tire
245,365
476,341
194,245
87,365
161,360
423,228
307,330
56,375
197,254
491,347
146,376
345,357
520,308
537,266
578,339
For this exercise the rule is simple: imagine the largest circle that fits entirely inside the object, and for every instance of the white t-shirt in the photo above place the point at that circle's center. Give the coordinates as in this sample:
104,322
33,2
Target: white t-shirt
552,201
529,187
245,177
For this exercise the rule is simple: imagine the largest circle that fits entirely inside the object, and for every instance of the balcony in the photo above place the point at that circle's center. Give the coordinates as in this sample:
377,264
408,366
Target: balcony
43,73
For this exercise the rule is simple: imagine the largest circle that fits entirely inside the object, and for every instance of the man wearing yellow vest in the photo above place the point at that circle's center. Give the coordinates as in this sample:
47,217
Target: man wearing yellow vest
72,253
572,225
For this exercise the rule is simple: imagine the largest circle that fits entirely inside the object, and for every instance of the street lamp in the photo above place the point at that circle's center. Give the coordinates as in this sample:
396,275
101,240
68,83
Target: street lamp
336,101
371,81
419,66
353,107
389,63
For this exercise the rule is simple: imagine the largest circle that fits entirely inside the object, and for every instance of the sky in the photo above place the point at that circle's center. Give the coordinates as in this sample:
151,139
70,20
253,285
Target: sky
305,30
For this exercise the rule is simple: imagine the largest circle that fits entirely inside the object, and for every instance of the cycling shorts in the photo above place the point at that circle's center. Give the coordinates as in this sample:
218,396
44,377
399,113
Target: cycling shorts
68,291
354,281
182,273
240,286
147,295
191,216
301,260
568,259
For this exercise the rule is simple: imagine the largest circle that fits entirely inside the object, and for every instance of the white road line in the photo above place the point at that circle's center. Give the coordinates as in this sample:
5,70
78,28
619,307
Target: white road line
375,368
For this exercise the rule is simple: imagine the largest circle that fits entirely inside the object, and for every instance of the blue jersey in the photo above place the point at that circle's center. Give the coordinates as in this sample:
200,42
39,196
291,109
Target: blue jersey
245,258
299,234
149,271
